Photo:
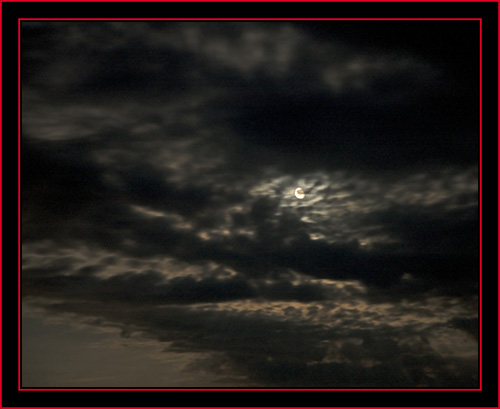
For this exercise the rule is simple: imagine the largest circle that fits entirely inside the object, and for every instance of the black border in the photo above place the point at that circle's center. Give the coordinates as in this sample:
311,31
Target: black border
11,397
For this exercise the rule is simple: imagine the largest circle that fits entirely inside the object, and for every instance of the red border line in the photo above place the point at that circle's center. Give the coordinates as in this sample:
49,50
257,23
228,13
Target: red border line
235,389
19,198
498,209
1,210
250,19
480,202
247,19
257,1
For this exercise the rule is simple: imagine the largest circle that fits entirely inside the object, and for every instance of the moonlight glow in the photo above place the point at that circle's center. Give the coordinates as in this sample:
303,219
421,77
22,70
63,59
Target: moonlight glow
299,193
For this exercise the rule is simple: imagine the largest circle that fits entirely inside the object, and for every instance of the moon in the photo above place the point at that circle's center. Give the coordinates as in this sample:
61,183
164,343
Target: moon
299,193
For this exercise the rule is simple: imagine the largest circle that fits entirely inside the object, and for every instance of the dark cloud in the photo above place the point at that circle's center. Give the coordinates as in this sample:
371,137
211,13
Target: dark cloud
158,167
147,186
293,352
469,325
152,287
325,130
145,288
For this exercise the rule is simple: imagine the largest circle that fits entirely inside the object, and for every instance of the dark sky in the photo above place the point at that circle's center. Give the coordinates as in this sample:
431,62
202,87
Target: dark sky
162,245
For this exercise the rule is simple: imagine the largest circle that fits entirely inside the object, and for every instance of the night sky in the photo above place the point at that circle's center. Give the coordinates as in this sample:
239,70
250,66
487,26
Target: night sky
162,244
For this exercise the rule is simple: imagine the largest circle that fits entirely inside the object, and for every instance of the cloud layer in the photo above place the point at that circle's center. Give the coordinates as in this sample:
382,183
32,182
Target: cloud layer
159,162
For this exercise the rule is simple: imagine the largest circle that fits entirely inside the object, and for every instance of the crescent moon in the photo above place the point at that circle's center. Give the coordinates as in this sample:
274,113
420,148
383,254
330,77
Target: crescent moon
299,193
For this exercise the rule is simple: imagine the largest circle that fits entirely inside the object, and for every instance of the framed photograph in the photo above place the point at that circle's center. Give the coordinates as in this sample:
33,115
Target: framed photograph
240,204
